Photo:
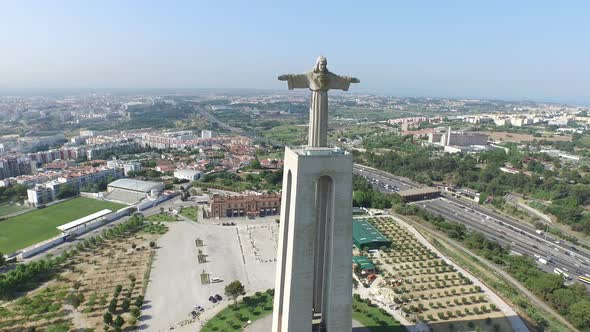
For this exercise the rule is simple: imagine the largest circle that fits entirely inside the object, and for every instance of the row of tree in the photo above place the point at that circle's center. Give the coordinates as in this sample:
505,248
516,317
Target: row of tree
573,302
28,276
15,192
567,190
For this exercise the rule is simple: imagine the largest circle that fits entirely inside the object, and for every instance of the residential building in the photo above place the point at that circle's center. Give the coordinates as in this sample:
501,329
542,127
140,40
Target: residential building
11,166
40,195
76,177
132,166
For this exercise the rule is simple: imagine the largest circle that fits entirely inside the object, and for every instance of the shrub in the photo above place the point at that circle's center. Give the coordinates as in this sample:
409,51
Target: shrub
135,311
125,305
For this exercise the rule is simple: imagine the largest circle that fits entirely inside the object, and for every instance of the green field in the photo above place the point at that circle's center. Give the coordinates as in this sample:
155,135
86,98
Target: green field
191,212
6,209
38,225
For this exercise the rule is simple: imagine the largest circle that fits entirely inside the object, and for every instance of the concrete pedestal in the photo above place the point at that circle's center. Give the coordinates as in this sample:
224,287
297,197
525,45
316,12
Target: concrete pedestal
313,282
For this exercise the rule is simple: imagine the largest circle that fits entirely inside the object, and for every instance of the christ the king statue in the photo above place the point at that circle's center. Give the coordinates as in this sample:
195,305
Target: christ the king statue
319,81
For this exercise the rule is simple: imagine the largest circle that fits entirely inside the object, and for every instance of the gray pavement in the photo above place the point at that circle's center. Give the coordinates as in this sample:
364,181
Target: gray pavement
245,252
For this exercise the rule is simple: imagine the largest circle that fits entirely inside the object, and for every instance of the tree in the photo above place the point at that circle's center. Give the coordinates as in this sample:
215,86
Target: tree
152,244
132,321
113,305
75,299
107,318
66,191
544,284
125,304
119,321
579,314
562,299
135,311
139,301
234,289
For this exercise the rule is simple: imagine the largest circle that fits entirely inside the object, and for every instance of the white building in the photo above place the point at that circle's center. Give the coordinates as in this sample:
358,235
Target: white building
87,133
188,174
40,195
207,134
500,122
132,166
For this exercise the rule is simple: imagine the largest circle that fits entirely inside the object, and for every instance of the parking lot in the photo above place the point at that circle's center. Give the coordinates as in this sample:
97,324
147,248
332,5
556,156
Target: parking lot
245,252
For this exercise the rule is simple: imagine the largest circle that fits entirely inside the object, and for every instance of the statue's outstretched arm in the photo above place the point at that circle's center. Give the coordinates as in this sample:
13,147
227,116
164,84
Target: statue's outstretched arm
299,81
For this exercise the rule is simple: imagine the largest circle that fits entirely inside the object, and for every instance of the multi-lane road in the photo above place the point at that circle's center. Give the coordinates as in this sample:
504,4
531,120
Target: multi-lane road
521,237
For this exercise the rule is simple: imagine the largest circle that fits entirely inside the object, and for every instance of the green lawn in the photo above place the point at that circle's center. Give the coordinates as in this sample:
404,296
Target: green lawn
7,208
190,212
374,318
161,217
32,227
234,318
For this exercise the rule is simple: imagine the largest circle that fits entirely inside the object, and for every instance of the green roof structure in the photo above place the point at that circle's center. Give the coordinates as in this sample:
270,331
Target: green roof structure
365,235
363,262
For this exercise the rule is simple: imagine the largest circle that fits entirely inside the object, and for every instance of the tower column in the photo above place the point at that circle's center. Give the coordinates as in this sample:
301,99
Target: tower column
315,241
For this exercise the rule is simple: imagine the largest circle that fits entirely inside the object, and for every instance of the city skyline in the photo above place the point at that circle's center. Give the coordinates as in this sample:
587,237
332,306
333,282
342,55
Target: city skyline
529,51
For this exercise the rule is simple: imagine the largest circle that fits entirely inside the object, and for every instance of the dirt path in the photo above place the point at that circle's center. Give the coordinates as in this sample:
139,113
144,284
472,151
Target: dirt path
76,317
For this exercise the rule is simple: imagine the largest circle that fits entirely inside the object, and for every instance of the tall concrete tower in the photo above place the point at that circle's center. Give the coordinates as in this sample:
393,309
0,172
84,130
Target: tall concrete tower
313,286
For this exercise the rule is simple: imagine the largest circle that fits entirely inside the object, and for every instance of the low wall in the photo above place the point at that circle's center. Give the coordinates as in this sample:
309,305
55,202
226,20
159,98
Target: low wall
151,203
42,246
91,195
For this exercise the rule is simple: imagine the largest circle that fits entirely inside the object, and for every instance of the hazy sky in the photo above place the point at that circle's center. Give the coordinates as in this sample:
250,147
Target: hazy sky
494,49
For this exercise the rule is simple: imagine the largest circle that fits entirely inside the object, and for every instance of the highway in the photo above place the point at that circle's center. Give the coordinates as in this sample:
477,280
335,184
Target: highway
521,237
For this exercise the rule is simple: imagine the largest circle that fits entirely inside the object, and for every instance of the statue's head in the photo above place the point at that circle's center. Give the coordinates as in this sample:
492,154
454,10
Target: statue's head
321,65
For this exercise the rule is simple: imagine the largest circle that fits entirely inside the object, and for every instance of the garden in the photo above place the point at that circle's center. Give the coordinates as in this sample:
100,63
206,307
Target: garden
422,285
100,282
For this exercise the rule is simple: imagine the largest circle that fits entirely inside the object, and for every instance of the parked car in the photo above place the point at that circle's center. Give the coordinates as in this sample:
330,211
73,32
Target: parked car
218,297
198,308
212,299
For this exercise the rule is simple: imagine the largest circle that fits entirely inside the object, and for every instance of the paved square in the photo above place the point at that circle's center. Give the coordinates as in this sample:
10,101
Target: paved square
245,252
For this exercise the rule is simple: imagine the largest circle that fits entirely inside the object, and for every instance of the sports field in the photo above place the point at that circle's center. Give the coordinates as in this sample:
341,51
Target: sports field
27,229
